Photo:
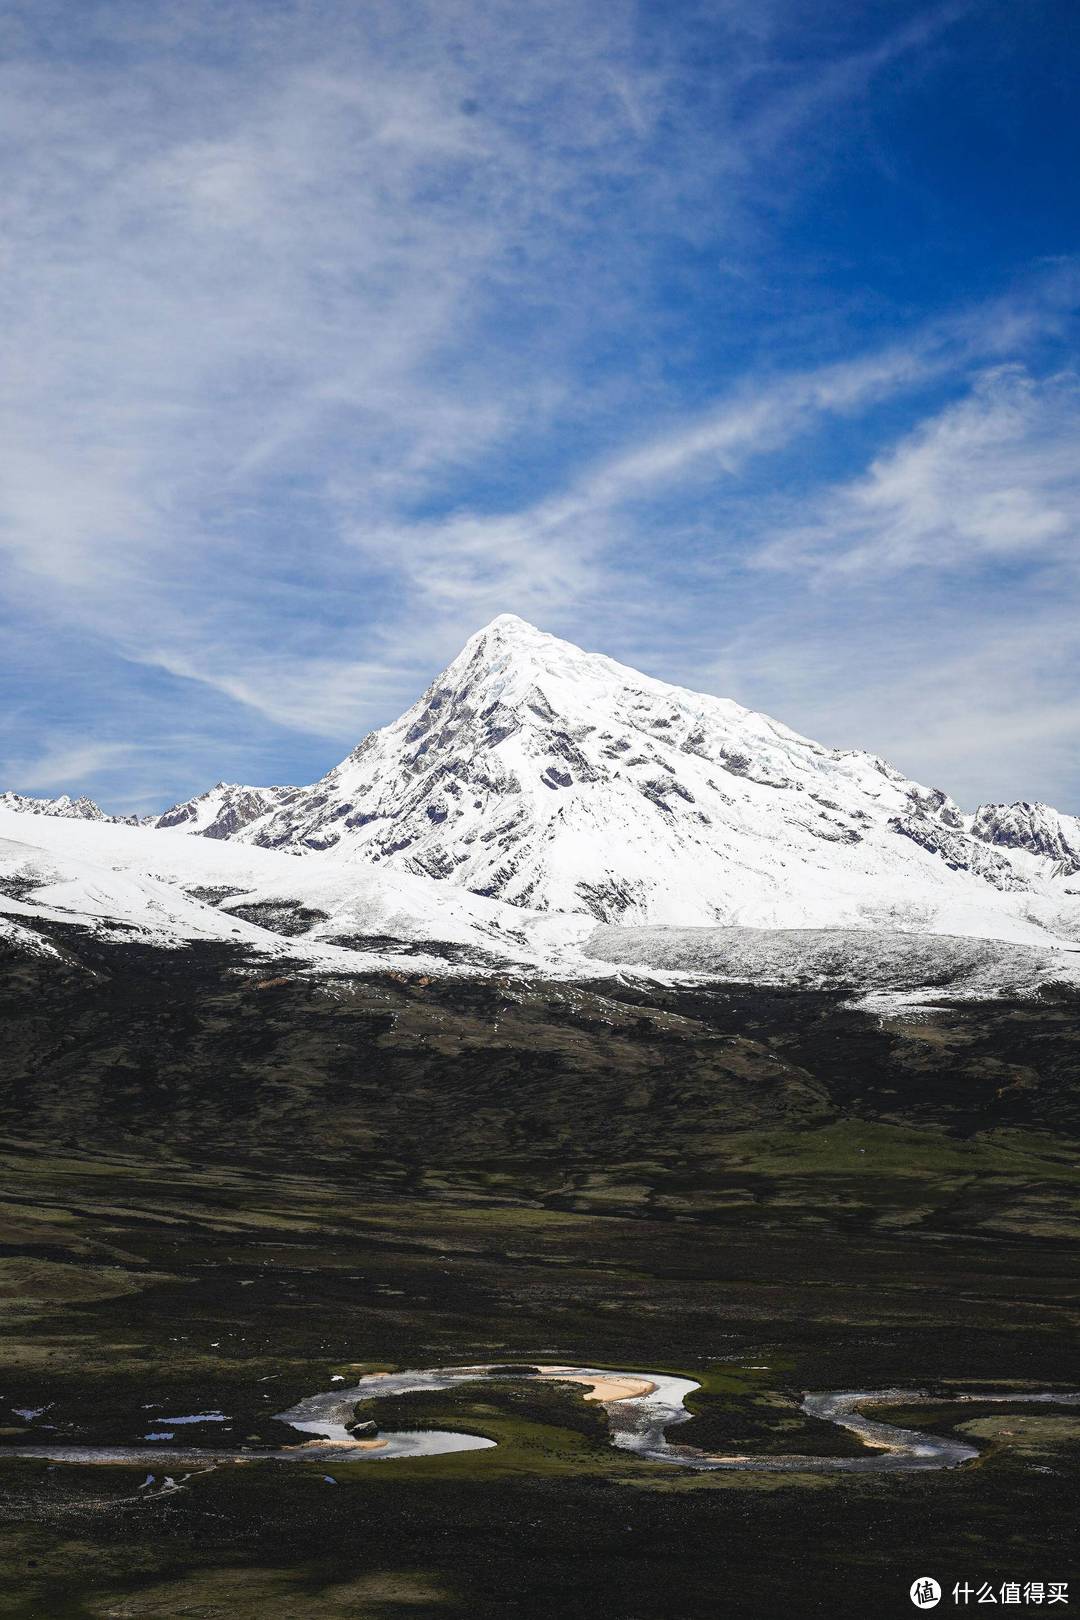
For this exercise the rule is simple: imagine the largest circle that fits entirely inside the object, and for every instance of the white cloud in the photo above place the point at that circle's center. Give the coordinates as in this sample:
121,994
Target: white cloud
992,480
65,762
567,550
575,548
314,261
311,693
929,608
248,302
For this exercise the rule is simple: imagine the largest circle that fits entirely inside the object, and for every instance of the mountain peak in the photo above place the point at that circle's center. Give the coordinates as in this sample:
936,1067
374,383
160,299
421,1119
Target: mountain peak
514,664
223,810
507,624
1033,826
507,635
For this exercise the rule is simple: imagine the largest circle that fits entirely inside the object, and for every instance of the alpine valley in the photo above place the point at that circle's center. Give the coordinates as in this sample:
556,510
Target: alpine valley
574,1022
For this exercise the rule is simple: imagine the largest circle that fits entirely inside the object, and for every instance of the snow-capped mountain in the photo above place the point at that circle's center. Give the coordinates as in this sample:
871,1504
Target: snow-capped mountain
547,777
222,811
551,810
219,813
68,809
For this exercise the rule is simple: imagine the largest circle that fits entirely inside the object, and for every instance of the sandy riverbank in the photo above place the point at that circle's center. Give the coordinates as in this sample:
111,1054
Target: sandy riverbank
603,1389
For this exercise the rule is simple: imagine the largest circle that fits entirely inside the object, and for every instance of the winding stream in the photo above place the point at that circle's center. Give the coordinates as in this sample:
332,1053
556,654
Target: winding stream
640,1407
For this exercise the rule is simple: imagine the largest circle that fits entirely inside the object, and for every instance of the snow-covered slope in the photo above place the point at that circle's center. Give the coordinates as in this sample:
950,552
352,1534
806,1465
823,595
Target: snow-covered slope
132,883
67,809
124,884
877,965
555,779
62,873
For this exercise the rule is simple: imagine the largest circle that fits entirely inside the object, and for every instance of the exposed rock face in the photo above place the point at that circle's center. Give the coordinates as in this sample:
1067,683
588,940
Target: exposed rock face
1035,827
223,811
955,849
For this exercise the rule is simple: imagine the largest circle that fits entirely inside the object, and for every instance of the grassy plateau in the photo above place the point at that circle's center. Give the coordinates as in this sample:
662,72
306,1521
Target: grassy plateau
221,1188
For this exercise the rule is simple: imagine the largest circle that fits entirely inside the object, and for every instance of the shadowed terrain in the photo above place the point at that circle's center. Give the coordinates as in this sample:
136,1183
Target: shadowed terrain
221,1190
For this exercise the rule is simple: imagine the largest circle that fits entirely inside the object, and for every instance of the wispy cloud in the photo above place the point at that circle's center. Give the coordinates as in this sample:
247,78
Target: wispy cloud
993,480
236,287
987,466
981,702
62,764
332,330
932,603
565,549
320,261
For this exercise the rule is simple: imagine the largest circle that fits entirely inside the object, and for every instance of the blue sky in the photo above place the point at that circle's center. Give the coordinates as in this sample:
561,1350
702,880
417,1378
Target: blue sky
737,340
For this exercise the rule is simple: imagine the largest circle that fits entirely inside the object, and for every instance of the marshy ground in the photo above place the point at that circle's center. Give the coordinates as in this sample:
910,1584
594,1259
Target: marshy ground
219,1191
